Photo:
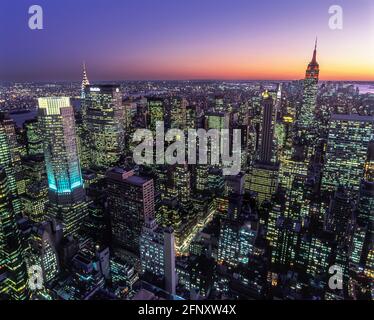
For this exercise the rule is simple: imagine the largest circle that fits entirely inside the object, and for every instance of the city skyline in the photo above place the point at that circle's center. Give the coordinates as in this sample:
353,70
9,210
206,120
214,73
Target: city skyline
185,41
177,190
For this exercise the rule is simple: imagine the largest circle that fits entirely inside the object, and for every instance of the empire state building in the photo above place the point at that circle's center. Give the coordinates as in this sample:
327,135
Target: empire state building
307,110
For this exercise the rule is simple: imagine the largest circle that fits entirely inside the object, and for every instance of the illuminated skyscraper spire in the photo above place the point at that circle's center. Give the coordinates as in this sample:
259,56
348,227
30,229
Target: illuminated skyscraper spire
306,112
314,60
313,67
85,81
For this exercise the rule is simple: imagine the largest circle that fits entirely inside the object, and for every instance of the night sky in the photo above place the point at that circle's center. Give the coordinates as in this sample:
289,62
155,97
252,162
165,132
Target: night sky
185,39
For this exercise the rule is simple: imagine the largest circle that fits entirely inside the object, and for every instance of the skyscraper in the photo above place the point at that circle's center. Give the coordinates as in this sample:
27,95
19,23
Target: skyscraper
314,254
8,162
156,112
11,257
10,129
263,177
347,146
364,232
104,122
236,241
306,112
191,117
85,81
263,181
178,113
33,137
43,252
66,194
36,196
267,134
157,254
293,177
130,202
340,215
182,183
216,121
366,197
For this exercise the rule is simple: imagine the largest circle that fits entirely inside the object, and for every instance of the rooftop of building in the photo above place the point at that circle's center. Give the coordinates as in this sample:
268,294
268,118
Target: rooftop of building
352,117
121,174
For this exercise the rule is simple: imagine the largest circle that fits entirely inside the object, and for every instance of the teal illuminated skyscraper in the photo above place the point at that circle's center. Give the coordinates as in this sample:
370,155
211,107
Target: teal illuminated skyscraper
65,183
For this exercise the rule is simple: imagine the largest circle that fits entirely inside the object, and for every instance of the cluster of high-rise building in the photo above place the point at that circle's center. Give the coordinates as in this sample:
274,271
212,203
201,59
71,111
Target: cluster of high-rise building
79,219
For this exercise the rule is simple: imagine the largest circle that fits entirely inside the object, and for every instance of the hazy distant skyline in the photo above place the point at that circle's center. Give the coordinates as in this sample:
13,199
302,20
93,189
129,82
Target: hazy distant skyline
185,39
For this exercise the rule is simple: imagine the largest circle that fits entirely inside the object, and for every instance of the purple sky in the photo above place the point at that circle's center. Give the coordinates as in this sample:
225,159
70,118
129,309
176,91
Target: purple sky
185,39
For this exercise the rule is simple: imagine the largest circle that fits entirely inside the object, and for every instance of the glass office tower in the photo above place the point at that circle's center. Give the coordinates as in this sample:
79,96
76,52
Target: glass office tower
66,194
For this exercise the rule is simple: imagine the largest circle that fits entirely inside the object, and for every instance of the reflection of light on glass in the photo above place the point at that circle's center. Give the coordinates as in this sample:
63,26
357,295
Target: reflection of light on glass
51,179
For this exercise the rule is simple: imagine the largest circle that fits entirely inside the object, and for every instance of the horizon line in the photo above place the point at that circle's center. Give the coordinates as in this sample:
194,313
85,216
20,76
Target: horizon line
180,80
